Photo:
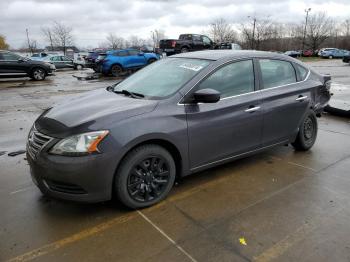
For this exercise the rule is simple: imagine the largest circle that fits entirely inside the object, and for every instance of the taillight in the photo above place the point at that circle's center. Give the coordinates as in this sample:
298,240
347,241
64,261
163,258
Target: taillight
173,43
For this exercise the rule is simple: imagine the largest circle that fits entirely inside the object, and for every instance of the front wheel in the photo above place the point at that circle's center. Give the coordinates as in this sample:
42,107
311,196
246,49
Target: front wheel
151,60
307,133
184,50
38,74
145,176
116,70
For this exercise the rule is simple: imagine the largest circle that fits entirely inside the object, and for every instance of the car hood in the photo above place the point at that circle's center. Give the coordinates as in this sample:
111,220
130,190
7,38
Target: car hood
95,110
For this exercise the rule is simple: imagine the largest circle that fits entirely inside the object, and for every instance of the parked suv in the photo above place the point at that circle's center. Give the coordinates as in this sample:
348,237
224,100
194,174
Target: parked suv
118,61
13,65
175,117
186,43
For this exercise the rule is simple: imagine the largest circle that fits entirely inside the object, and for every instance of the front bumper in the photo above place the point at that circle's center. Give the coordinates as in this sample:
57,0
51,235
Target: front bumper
83,179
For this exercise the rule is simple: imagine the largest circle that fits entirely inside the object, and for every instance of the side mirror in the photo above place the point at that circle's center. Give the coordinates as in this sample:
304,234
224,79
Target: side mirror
207,95
141,53
20,60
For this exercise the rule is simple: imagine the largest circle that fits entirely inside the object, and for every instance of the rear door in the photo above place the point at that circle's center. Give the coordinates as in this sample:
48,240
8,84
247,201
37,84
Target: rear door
197,42
285,98
57,61
67,62
231,126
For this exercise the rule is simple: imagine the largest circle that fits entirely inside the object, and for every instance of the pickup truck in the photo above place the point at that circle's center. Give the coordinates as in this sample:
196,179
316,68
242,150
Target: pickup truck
186,43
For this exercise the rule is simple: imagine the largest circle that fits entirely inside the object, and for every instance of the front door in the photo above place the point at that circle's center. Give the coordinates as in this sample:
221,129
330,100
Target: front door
231,126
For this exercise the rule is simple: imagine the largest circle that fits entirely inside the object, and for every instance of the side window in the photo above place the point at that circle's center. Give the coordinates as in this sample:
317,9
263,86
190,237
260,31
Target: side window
206,40
233,79
55,58
133,52
9,56
276,73
301,72
123,53
1,57
196,38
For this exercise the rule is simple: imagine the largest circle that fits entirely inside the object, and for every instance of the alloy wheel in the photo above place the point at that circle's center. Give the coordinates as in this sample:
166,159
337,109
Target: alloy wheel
148,179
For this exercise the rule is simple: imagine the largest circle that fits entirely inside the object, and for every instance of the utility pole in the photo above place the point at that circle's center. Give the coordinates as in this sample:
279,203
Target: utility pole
252,44
304,35
29,45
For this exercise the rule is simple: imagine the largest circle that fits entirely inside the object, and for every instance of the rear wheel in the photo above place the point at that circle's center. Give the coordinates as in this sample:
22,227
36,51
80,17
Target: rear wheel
184,50
307,133
38,74
330,57
151,60
145,176
79,67
116,70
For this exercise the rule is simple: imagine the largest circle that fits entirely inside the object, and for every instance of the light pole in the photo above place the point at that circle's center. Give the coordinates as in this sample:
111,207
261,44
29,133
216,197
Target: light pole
252,44
304,35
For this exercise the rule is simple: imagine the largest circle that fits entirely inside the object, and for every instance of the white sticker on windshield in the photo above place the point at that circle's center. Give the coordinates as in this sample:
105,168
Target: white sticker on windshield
191,66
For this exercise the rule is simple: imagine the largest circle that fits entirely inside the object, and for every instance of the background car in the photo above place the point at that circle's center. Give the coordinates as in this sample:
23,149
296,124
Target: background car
232,46
42,55
308,53
13,65
118,61
333,53
61,62
293,53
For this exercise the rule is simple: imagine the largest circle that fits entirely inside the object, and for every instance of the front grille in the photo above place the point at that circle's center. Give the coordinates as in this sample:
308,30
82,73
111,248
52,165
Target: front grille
64,187
36,142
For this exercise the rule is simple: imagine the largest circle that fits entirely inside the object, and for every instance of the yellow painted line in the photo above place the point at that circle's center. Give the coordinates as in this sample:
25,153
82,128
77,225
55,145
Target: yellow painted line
73,238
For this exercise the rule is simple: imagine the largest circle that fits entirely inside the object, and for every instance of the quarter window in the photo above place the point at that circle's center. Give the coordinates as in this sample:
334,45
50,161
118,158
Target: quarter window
233,79
301,71
276,73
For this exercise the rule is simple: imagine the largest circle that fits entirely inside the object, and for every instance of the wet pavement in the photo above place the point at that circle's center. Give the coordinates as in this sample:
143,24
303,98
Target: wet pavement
280,205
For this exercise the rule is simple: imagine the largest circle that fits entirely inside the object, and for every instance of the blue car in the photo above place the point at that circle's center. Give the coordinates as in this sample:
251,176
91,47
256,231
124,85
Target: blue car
333,53
118,61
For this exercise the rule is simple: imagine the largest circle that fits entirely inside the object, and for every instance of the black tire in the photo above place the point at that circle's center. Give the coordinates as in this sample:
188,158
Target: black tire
151,60
145,176
307,133
78,67
38,74
184,50
116,70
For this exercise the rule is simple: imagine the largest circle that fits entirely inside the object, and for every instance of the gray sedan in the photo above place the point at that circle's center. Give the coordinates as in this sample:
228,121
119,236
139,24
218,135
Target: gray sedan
61,61
175,117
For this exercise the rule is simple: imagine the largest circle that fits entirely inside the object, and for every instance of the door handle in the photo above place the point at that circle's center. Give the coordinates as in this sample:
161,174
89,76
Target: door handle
252,109
301,98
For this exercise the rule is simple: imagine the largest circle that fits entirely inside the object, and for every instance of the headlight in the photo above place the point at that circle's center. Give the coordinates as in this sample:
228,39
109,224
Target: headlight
81,144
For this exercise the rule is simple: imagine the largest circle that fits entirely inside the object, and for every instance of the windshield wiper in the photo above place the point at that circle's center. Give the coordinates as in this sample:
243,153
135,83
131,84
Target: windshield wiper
128,93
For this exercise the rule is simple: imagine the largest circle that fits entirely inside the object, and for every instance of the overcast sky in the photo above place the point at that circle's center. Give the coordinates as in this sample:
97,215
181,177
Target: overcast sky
92,20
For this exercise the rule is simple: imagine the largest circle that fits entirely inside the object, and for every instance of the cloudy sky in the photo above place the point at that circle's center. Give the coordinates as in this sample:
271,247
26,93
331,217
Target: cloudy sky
92,20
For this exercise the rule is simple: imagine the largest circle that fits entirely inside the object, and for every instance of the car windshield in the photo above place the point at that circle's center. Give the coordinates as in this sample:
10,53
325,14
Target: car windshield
162,78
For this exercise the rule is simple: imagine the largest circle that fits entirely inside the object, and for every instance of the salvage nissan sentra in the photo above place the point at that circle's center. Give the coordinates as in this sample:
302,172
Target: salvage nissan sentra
175,117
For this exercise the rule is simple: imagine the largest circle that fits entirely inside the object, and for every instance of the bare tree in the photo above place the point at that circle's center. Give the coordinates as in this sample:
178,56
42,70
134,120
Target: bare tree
257,31
115,42
135,42
156,36
318,30
221,31
3,44
49,36
62,35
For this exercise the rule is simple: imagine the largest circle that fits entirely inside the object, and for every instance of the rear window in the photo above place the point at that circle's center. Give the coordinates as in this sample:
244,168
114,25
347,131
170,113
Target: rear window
185,37
277,73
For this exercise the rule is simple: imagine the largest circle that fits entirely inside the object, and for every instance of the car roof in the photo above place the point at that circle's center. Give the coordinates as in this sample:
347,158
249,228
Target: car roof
230,54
